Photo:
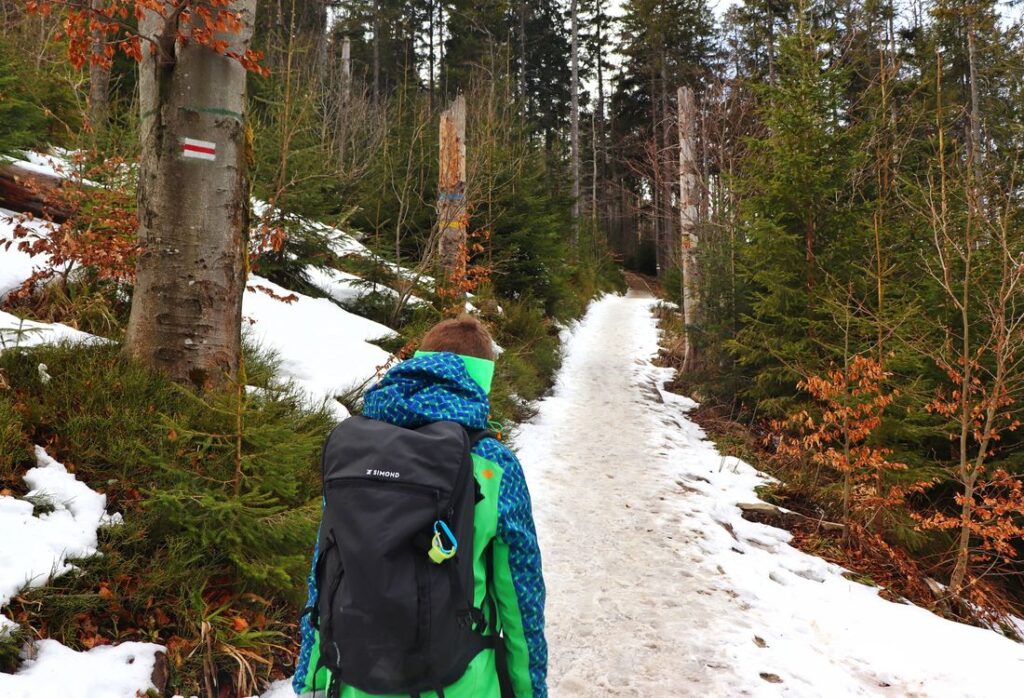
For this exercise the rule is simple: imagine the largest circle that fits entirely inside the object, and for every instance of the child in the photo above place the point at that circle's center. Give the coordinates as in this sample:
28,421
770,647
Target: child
449,380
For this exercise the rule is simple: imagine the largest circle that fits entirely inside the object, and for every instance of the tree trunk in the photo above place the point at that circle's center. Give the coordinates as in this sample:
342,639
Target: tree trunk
452,213
574,118
689,202
193,205
99,78
430,54
522,50
668,174
376,50
963,547
599,128
346,70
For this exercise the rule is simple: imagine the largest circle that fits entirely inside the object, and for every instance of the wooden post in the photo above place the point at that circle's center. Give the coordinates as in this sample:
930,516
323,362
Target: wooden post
452,213
689,201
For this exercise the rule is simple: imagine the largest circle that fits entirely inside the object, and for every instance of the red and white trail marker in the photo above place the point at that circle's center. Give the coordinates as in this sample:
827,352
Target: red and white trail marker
201,150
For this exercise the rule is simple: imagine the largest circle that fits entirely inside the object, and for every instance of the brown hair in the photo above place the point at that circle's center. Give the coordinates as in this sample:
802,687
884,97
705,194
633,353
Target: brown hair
462,335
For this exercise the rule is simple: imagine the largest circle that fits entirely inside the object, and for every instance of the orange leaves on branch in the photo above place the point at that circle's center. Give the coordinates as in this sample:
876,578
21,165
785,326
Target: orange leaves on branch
99,234
96,34
472,269
996,521
851,403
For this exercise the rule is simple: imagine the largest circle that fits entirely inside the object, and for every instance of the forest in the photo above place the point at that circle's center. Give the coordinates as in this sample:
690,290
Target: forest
825,194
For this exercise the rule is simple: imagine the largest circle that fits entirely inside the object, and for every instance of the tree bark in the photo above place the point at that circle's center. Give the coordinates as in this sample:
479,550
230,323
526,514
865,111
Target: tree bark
689,202
452,213
99,78
668,172
193,205
574,117
376,50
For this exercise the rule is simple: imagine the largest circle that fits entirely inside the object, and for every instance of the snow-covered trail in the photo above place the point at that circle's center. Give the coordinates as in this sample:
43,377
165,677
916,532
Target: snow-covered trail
595,461
657,587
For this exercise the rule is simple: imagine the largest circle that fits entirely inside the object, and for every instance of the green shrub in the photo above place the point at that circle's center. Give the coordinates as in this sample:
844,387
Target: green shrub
14,447
531,357
220,496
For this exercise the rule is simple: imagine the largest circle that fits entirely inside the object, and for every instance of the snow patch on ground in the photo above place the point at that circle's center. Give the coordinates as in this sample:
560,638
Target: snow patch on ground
118,671
16,332
659,587
15,265
348,288
33,549
324,349
58,163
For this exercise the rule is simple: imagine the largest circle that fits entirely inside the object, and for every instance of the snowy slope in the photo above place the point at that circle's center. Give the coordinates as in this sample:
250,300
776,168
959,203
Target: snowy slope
658,587
347,288
326,350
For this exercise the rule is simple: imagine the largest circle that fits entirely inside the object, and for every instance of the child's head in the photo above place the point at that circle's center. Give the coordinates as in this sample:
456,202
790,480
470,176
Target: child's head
462,335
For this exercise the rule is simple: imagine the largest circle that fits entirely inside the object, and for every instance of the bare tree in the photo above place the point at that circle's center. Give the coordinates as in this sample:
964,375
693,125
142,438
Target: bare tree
99,75
689,202
452,214
574,116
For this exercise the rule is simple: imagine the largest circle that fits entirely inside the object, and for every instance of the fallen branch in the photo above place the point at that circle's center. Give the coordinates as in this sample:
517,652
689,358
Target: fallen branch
774,513
26,191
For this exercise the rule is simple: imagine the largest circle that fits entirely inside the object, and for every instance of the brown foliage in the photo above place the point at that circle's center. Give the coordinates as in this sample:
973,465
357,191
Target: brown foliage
99,234
205,22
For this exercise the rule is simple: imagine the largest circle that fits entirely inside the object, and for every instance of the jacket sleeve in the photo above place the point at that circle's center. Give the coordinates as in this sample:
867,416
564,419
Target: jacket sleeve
306,679
518,584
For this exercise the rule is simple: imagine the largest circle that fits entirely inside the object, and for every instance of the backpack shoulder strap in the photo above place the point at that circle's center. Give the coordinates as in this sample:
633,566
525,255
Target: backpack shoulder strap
478,435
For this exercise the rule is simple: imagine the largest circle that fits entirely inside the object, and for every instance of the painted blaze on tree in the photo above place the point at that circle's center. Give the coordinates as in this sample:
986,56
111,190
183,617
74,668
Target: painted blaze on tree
193,191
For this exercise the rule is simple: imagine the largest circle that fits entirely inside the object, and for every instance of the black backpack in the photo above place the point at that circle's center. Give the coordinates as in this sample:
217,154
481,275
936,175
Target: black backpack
393,616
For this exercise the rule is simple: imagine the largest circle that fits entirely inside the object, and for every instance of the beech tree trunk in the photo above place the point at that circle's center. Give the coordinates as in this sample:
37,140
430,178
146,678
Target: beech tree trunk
689,202
452,214
193,206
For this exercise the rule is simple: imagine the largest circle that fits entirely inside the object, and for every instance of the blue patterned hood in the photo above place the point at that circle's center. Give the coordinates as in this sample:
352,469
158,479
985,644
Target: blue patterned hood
425,389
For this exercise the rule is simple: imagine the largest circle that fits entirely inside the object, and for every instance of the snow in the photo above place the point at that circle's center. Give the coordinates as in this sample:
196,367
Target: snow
659,587
56,165
345,288
324,349
15,265
17,332
35,548
121,671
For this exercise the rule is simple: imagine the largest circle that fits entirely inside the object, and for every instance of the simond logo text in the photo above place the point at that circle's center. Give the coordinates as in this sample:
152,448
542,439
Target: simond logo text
382,473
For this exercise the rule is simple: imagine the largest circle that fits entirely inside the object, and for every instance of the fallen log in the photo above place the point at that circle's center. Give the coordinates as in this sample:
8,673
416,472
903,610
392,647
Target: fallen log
763,510
25,191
